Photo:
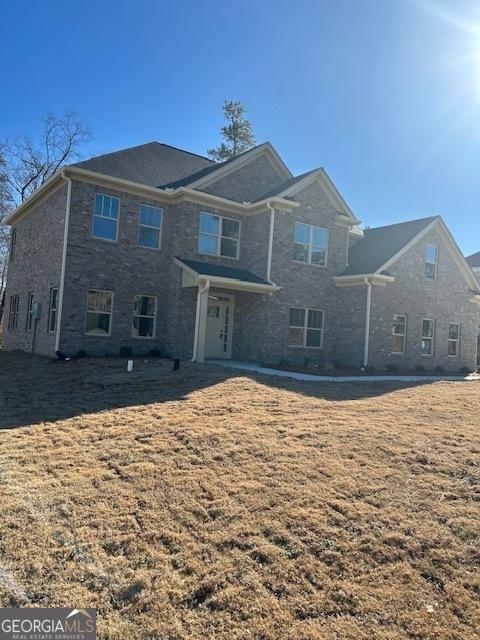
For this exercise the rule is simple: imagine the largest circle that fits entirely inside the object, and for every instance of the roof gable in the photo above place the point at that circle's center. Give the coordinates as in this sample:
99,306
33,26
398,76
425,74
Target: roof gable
474,260
153,163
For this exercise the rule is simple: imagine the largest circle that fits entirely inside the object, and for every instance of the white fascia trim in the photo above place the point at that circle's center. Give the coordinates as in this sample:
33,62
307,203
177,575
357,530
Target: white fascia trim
36,198
330,189
360,279
232,283
226,168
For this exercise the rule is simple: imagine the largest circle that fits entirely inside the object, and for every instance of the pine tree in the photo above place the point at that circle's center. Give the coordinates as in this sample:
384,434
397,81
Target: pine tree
237,133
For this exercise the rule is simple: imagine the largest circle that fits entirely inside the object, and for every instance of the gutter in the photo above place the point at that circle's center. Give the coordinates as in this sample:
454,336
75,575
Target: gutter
64,259
366,346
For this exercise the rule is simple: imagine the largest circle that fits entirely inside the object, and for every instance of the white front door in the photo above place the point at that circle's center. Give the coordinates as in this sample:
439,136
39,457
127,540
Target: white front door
218,340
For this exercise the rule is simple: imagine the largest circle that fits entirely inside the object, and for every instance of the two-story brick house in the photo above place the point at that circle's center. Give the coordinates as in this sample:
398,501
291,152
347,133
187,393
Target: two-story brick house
157,248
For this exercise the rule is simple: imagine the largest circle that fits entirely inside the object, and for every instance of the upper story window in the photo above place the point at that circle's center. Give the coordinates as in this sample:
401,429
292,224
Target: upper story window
399,333
13,244
431,260
219,236
310,244
105,217
150,226
99,312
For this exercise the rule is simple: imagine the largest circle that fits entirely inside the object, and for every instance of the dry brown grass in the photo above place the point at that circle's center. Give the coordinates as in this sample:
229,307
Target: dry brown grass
209,504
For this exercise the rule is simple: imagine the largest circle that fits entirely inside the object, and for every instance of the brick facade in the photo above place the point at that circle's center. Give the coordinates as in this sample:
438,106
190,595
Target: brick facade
260,329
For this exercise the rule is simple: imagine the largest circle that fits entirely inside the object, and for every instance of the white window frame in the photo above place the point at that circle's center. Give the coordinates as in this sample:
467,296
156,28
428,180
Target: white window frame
52,310
305,328
29,316
147,226
219,236
432,339
457,340
100,335
139,315
96,215
435,264
403,335
13,312
310,244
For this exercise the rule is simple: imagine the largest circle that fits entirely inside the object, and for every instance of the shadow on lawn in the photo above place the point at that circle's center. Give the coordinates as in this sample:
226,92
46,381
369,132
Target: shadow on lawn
35,389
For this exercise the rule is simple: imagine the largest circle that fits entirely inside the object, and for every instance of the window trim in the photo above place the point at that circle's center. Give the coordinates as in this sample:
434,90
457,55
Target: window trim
147,226
99,335
13,312
305,329
96,215
145,295
219,237
435,264
404,335
50,310
310,244
428,355
29,316
457,341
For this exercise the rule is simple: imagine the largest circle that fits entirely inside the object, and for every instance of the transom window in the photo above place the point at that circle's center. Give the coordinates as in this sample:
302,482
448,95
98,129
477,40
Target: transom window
399,332
13,312
29,318
144,315
219,236
99,312
428,335
453,339
52,310
305,328
310,244
150,225
105,217
431,260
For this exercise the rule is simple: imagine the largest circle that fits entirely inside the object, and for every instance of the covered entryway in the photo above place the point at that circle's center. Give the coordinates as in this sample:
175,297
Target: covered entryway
218,338
214,317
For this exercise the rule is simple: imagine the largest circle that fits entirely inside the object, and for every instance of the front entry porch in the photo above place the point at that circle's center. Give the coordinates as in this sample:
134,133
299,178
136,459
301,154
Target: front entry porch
214,317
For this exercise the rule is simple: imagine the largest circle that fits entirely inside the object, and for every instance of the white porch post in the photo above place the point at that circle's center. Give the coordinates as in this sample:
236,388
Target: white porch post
201,322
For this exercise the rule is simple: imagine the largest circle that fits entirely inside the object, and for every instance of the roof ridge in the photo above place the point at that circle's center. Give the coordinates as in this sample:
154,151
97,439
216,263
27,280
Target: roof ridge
146,144
398,224
199,155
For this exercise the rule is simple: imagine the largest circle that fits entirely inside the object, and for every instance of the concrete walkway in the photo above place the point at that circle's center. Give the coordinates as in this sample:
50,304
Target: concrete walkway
255,368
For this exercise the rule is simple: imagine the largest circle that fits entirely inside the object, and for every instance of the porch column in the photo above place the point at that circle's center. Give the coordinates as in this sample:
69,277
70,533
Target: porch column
201,321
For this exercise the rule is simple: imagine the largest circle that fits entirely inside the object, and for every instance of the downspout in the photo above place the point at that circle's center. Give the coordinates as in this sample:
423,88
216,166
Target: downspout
270,240
64,260
201,290
367,323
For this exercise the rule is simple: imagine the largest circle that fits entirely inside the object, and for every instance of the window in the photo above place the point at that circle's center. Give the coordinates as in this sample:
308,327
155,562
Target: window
310,244
29,318
399,332
149,229
13,244
431,257
218,236
453,339
13,312
105,217
99,312
144,315
305,328
428,334
52,310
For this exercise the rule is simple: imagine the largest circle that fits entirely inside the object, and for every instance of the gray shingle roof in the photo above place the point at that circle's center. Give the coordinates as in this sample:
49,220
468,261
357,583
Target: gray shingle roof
382,243
220,271
284,185
152,163
474,260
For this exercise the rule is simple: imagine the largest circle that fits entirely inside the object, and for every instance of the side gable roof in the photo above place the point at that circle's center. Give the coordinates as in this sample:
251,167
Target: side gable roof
152,163
382,243
474,260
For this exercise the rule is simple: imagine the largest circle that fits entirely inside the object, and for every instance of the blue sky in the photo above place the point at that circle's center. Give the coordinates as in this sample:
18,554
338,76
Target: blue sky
384,94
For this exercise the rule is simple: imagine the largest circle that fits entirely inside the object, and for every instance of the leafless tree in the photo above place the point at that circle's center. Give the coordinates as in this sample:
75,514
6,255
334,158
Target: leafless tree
26,163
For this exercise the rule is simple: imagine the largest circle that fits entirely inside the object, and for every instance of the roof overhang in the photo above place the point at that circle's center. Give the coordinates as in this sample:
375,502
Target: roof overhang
168,195
192,278
381,279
